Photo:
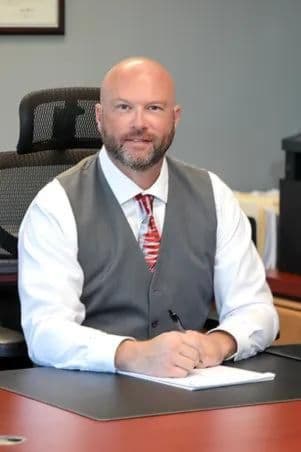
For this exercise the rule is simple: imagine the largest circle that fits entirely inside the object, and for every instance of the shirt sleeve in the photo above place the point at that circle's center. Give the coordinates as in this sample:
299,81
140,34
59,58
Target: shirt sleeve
243,299
50,286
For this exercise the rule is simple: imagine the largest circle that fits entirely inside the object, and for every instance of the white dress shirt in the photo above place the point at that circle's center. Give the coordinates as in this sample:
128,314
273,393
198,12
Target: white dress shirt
51,278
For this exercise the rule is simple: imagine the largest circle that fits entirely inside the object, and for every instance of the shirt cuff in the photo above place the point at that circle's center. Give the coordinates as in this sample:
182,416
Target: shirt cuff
101,356
245,347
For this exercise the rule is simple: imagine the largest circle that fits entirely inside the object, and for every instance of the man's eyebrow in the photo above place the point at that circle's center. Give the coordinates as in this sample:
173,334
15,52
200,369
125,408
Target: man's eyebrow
120,99
160,102
152,102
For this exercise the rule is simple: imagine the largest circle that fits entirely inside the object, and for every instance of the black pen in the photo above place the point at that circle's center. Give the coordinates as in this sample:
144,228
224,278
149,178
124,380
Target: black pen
176,319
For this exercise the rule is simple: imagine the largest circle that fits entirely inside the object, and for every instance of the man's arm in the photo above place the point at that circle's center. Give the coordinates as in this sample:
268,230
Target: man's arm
243,299
50,286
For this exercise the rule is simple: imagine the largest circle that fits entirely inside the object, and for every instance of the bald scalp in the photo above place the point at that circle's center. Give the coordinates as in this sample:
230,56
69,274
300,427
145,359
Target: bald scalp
133,70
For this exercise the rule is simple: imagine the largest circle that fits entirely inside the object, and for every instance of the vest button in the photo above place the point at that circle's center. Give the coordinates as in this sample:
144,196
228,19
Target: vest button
155,323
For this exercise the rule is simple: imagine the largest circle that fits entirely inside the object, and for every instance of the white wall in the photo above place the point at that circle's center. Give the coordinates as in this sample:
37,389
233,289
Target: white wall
237,66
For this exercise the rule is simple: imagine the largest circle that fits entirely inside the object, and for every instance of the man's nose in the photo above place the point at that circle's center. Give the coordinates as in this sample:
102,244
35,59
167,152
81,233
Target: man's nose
139,120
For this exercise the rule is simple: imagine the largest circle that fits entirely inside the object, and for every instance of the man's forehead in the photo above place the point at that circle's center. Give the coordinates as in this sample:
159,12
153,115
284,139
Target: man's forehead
136,66
137,85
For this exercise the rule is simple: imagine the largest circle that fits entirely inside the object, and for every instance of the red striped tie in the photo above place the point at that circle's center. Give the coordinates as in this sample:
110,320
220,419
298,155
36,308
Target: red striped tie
149,240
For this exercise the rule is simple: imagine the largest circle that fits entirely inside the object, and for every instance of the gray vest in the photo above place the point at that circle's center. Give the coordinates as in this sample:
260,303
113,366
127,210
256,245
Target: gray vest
120,294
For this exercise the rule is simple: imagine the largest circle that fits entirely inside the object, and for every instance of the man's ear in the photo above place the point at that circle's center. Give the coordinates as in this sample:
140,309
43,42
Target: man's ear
177,114
98,116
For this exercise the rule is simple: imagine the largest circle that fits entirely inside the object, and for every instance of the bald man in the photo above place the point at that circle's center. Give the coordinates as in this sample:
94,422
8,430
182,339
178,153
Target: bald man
122,255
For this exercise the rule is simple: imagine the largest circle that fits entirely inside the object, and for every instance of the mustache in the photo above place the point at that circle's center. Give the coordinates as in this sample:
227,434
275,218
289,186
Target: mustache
137,135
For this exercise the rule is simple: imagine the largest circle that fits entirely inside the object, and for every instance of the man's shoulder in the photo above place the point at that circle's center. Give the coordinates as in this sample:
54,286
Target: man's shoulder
54,190
197,171
51,200
190,170
80,167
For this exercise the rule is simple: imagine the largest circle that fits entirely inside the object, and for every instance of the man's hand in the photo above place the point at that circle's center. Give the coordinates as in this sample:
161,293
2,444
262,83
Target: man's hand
174,354
215,347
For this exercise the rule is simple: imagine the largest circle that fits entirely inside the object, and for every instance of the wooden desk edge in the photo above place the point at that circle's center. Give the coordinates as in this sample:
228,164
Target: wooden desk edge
220,429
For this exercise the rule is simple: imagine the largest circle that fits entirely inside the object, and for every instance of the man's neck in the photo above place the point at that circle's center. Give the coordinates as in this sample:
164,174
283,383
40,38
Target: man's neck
143,178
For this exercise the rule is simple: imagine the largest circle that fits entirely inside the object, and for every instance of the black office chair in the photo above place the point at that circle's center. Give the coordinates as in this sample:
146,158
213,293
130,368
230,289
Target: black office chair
57,130
58,119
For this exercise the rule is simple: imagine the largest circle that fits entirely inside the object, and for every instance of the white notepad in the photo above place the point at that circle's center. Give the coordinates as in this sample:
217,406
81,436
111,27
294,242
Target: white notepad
211,377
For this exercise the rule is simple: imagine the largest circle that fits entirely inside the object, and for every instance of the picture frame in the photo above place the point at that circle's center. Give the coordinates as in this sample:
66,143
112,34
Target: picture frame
41,17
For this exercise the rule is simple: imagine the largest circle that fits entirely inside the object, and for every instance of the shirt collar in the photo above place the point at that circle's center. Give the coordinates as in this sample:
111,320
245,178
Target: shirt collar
124,188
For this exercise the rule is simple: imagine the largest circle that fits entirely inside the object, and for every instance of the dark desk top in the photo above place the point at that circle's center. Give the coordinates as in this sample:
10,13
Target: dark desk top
109,396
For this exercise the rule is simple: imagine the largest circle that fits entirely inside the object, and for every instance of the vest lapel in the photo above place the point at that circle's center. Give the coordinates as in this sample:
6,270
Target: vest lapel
117,213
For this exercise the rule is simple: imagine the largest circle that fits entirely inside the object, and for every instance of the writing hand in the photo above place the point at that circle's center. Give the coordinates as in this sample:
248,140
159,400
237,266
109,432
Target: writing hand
171,354
174,354
214,348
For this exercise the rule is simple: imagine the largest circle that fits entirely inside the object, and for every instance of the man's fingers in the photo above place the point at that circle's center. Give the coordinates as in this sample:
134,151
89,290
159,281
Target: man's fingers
191,353
177,372
184,363
201,365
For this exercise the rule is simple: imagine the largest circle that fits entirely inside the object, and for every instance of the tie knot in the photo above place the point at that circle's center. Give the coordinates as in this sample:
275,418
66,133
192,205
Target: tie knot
145,202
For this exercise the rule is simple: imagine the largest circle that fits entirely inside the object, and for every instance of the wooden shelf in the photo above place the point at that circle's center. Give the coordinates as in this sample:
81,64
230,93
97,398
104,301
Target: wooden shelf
8,279
287,285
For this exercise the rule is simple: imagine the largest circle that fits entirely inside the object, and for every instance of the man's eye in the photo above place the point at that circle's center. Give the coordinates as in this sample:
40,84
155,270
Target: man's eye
123,107
155,108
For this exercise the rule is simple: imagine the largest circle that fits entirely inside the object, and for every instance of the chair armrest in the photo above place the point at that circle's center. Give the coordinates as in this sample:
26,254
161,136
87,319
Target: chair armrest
12,344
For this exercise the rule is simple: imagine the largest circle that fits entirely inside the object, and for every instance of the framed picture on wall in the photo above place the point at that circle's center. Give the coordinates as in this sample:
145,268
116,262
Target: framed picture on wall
32,17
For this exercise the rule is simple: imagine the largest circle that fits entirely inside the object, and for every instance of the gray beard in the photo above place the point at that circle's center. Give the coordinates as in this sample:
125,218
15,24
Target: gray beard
137,164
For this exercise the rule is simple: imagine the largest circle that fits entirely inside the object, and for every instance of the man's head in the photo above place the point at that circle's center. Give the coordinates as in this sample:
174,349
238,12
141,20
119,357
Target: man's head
137,114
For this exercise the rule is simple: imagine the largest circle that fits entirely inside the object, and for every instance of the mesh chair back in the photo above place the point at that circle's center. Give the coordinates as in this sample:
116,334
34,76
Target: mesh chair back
59,118
57,130
22,176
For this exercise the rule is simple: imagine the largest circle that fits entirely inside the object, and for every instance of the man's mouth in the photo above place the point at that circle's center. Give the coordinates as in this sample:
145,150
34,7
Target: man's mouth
139,140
